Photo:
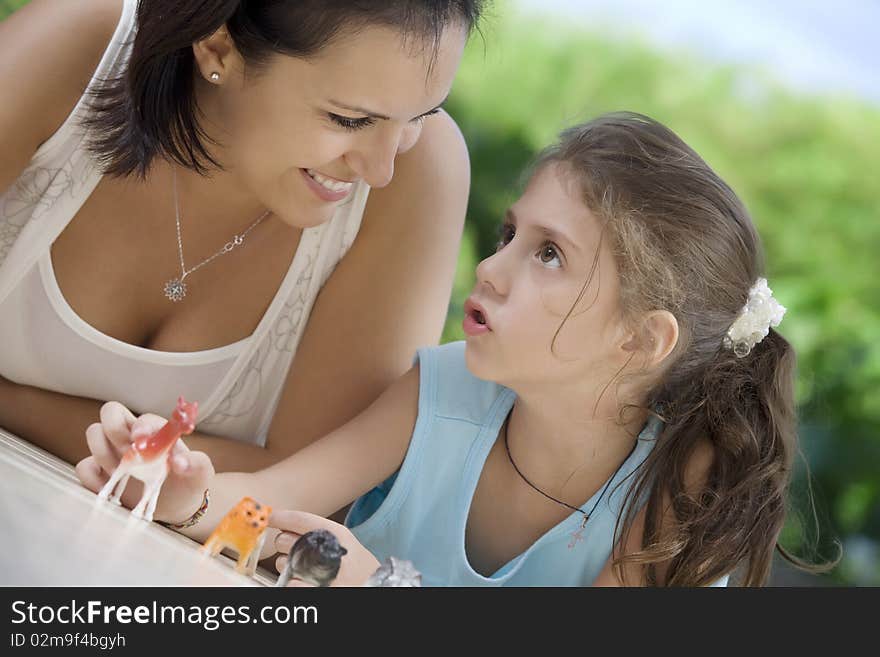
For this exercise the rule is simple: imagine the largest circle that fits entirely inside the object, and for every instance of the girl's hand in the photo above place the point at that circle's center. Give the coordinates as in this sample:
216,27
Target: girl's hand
190,474
356,566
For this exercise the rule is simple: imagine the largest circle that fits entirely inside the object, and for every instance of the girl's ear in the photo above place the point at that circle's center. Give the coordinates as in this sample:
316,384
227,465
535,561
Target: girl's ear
661,331
657,338
216,56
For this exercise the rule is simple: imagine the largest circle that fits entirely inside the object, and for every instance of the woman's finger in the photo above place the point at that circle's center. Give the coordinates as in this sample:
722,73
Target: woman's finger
91,474
196,466
117,421
146,425
101,449
180,448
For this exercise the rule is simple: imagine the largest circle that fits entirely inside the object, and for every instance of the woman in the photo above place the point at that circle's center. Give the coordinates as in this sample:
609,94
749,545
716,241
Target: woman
169,231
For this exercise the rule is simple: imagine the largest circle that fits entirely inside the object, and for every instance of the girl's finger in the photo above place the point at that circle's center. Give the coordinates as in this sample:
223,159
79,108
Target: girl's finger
101,449
285,540
280,562
117,421
301,522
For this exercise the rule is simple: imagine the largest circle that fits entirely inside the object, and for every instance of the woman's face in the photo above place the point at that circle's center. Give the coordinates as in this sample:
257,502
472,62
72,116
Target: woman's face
299,134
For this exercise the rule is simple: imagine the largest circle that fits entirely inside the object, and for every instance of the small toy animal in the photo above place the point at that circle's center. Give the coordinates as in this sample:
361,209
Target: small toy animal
314,558
243,529
395,572
148,460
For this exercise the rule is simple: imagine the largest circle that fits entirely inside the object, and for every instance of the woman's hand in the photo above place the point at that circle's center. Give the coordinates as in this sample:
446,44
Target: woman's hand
190,473
356,566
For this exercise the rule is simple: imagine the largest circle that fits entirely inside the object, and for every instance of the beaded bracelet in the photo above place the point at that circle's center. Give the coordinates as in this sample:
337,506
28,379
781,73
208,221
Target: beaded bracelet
194,518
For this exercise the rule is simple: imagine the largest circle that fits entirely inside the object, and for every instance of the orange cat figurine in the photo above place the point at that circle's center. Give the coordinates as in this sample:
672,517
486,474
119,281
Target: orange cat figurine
147,460
243,529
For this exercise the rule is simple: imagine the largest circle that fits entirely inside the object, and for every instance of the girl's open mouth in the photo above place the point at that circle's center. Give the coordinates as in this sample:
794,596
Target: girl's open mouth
475,320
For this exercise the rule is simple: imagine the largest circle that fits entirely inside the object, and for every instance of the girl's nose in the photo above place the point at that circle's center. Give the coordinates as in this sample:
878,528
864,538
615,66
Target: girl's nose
491,273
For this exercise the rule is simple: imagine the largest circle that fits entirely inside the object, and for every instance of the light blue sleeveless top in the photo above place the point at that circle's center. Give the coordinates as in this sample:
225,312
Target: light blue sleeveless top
420,512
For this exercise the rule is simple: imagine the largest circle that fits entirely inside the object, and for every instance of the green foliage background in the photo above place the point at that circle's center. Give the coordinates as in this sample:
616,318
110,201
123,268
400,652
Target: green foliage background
806,167
9,6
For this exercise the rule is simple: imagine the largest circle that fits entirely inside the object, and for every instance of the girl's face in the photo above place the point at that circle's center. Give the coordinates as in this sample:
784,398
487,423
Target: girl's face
299,134
548,244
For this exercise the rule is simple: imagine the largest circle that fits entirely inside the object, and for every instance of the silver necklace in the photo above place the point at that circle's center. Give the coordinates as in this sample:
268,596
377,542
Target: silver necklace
175,289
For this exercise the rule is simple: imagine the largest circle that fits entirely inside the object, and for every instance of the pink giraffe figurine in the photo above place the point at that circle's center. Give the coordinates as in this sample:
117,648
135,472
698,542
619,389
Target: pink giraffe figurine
148,460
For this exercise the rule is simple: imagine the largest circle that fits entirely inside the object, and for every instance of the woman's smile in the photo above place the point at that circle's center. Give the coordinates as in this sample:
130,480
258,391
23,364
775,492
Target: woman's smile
326,188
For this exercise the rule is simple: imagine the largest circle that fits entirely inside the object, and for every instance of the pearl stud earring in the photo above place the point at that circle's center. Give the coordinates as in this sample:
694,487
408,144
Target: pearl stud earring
215,77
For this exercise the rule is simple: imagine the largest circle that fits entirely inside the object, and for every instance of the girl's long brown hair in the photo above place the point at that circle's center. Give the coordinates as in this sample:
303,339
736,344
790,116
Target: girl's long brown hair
685,243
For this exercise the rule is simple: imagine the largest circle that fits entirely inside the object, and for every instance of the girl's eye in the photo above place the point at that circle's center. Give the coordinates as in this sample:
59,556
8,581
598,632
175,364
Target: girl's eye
549,255
505,235
351,124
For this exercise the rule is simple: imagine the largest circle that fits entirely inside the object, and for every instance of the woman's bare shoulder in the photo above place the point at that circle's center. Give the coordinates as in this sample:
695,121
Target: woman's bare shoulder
438,162
49,50
431,182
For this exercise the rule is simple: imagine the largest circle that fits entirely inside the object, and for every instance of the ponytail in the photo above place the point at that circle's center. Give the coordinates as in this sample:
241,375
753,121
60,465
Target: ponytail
745,408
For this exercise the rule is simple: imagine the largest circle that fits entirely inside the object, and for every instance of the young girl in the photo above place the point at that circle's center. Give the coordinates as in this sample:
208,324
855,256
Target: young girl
621,411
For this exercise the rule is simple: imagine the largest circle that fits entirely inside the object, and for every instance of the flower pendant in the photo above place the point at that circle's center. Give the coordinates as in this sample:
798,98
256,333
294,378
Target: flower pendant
175,289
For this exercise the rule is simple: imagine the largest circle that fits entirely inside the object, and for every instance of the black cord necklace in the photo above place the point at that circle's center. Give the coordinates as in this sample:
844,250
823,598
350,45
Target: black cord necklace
577,535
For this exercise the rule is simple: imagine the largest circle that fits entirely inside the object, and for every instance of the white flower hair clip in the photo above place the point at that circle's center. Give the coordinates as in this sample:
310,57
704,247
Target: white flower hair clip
753,324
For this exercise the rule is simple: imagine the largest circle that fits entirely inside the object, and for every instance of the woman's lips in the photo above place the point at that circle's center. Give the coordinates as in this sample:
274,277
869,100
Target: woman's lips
326,188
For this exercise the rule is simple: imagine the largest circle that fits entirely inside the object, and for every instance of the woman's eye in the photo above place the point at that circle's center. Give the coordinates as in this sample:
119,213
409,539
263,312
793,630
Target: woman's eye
505,235
421,118
549,255
351,124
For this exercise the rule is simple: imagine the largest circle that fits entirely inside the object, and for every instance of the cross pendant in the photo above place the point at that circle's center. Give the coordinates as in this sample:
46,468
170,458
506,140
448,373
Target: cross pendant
579,534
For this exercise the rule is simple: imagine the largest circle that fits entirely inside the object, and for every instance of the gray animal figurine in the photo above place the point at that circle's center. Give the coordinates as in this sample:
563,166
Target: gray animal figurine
395,572
314,558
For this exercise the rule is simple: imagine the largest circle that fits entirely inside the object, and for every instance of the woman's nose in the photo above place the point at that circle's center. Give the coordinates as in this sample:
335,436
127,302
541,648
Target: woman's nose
374,159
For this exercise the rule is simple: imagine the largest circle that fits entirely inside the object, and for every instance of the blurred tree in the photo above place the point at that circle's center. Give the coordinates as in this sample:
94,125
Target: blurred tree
9,6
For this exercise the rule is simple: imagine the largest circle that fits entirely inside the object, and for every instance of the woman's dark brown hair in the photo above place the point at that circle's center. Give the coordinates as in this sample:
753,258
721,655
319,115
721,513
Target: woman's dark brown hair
151,108
684,242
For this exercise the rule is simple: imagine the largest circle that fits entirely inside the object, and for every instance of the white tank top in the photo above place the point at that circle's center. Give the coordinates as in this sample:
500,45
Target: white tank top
44,343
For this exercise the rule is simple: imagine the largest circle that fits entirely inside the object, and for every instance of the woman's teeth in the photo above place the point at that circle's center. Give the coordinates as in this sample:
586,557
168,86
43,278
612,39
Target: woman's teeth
329,183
